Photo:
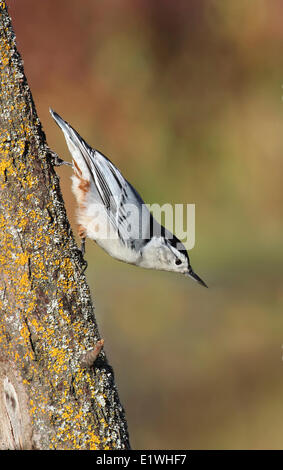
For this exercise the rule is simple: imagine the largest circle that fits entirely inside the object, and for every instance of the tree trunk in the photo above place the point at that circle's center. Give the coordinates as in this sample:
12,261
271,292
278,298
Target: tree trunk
52,395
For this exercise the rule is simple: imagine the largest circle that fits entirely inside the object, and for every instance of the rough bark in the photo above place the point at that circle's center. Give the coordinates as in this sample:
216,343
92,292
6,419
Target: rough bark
51,396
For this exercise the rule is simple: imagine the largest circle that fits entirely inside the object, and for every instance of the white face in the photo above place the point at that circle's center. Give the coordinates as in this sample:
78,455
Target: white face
158,254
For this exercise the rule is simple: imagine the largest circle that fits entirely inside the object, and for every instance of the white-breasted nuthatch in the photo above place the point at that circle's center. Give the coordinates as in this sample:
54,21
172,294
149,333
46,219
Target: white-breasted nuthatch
111,212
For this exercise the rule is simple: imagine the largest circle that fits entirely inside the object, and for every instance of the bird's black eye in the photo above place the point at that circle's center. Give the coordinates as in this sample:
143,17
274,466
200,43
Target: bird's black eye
178,261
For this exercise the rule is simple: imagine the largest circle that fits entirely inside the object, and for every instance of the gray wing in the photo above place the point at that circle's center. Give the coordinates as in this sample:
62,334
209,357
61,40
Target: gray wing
125,208
127,211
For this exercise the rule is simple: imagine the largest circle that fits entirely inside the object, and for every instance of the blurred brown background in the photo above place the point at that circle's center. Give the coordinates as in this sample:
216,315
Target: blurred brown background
185,98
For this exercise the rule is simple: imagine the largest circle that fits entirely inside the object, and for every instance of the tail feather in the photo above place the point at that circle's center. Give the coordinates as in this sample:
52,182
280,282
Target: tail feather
76,145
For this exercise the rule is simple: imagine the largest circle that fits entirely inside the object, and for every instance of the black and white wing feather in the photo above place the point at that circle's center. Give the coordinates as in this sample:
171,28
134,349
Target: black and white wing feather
125,208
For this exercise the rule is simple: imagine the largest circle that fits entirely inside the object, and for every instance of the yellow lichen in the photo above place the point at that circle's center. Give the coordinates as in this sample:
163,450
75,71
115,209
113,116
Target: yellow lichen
42,280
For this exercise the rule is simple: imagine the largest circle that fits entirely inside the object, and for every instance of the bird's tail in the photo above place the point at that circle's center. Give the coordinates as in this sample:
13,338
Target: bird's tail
78,148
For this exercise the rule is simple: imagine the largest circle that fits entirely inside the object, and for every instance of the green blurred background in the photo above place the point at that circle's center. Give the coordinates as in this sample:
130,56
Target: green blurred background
186,98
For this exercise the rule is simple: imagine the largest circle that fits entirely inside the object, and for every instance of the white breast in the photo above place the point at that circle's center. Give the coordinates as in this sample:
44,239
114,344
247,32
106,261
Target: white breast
93,217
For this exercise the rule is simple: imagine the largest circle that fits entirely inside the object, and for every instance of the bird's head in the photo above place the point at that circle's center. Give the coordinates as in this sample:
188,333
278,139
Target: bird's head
180,261
169,254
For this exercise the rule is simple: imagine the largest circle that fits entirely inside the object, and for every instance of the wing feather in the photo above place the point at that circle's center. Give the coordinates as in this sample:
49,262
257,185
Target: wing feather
113,190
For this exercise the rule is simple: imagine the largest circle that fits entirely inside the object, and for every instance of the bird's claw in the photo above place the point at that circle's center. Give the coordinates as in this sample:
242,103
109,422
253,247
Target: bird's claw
83,246
56,160
85,265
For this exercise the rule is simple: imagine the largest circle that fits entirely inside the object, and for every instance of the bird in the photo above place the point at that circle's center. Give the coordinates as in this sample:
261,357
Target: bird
112,213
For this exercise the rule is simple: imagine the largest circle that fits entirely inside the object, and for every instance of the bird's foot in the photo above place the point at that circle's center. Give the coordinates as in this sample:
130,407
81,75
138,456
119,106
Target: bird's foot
83,246
56,160
84,265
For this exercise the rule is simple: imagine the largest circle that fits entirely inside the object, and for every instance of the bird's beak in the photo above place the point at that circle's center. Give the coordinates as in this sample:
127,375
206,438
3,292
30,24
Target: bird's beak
194,276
